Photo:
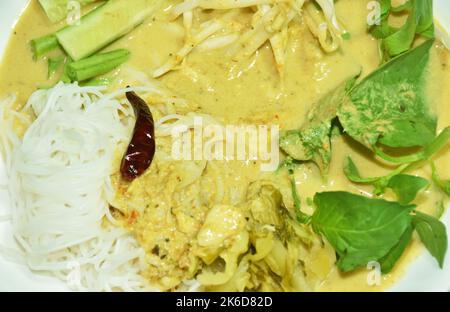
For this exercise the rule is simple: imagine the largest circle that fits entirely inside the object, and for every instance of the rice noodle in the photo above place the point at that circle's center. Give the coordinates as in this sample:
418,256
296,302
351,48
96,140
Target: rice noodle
59,188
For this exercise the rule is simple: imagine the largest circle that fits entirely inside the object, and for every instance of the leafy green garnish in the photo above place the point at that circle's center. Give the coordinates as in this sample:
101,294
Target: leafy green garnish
388,107
395,41
433,235
406,187
312,141
380,183
360,229
388,262
444,185
435,146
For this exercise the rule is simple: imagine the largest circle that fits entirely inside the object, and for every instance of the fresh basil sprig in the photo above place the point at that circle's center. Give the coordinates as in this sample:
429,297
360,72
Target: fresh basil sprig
387,108
433,235
394,41
406,187
362,229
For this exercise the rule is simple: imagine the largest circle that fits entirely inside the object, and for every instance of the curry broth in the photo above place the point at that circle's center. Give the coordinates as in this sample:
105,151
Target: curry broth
252,92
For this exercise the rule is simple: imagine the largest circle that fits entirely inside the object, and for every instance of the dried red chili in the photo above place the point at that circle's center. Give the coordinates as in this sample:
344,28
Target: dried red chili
141,150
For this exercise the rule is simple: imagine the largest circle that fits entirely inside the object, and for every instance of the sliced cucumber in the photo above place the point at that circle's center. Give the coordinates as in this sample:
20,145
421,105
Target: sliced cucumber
57,10
103,25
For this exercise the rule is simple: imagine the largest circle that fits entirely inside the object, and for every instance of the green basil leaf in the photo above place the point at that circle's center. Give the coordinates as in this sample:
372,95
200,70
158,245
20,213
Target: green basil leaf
433,235
389,106
360,229
406,187
388,262
352,173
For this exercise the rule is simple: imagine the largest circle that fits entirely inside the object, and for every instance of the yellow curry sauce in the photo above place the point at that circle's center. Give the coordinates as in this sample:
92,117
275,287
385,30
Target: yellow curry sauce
249,93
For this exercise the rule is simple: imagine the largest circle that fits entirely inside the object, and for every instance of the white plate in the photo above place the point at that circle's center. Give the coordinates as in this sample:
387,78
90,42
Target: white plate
422,275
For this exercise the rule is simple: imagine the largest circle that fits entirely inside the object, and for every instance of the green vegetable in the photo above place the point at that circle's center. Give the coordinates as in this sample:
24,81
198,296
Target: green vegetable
53,65
104,25
406,187
440,209
289,164
444,185
433,235
346,36
97,65
380,183
301,216
57,10
65,76
360,229
312,141
388,262
395,41
43,45
102,81
388,107
435,146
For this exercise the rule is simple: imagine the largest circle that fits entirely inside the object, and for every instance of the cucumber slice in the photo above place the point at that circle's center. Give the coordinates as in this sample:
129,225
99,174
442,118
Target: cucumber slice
104,25
57,10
